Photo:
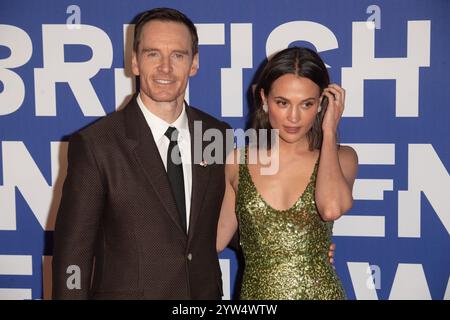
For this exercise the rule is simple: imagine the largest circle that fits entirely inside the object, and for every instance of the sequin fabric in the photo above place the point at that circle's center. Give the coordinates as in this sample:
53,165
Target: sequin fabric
285,251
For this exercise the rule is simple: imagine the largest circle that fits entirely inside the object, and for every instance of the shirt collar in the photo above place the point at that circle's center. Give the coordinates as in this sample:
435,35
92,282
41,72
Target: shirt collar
158,126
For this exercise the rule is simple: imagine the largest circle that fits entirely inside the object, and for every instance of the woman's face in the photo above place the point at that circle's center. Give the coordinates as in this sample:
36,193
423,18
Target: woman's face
293,103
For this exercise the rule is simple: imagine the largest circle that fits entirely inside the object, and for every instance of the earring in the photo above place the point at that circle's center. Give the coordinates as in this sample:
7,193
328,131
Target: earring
265,108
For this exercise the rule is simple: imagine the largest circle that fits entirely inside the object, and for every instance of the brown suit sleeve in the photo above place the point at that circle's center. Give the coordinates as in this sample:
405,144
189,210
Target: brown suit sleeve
77,222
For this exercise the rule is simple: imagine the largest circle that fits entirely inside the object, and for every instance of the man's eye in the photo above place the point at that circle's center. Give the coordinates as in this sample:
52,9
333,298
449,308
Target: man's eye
308,105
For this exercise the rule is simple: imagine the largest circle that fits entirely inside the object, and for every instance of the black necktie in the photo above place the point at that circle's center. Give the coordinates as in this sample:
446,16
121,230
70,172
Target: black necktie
175,173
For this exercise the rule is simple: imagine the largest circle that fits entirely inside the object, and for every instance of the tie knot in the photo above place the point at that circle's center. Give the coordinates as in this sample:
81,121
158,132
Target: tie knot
172,133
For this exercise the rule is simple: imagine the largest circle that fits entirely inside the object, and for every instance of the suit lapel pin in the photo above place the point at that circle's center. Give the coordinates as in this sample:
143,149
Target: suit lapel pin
203,163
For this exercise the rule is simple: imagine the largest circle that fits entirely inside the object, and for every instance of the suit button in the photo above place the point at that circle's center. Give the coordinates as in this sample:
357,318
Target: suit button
189,256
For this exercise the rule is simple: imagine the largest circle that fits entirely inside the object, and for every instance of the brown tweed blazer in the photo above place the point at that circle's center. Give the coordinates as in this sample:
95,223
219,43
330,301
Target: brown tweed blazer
118,223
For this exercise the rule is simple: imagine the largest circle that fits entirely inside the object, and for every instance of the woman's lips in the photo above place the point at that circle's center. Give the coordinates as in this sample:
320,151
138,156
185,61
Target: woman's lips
291,129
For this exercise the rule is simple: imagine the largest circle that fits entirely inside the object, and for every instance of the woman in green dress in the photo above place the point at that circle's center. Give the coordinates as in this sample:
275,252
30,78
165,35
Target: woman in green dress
285,217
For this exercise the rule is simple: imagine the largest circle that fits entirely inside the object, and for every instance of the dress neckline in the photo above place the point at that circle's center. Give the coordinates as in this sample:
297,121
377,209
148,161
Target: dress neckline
311,178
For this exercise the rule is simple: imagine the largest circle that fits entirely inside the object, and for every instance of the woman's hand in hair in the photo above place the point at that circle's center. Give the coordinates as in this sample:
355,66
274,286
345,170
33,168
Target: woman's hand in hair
333,113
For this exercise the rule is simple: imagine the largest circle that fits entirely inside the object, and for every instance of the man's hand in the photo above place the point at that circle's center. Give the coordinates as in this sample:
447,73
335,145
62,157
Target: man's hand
331,253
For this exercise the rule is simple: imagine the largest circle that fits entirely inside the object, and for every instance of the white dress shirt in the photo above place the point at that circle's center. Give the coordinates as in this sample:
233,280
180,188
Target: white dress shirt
158,127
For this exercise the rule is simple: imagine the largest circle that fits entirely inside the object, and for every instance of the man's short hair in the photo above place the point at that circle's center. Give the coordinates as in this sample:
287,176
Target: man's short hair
164,14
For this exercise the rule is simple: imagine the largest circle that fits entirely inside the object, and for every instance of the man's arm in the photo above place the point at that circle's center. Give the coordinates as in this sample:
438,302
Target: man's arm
77,223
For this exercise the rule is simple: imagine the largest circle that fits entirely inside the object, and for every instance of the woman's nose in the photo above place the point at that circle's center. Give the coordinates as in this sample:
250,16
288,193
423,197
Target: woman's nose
294,114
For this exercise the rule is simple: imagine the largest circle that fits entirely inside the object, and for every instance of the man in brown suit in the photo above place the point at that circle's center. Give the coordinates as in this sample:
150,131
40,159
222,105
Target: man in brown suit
133,223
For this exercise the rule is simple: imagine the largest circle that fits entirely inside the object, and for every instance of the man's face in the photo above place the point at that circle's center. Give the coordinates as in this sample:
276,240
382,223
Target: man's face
164,62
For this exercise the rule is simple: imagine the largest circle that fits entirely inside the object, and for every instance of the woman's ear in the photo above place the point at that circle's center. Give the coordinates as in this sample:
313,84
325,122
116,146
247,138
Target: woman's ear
264,106
263,96
323,102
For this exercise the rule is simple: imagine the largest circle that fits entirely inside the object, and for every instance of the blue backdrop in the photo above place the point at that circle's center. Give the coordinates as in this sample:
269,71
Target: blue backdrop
63,64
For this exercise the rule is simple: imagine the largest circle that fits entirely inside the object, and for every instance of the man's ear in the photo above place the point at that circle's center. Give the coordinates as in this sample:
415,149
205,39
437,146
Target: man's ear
134,63
194,66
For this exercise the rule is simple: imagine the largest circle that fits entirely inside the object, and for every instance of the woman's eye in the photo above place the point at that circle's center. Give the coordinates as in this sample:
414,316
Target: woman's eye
281,103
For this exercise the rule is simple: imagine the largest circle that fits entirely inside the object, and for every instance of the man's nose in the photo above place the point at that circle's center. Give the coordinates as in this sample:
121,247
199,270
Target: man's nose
165,65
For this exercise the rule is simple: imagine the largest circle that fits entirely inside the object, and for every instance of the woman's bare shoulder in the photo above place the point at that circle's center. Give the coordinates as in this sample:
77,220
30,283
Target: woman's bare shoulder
232,165
348,155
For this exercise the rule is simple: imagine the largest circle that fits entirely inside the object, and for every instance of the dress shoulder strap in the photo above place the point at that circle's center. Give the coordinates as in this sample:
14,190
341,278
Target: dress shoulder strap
243,156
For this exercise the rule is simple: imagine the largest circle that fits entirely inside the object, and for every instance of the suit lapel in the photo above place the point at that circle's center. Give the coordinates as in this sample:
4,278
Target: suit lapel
200,174
147,155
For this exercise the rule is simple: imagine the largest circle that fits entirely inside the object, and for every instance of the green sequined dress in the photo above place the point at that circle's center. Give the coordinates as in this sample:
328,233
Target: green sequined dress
285,251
